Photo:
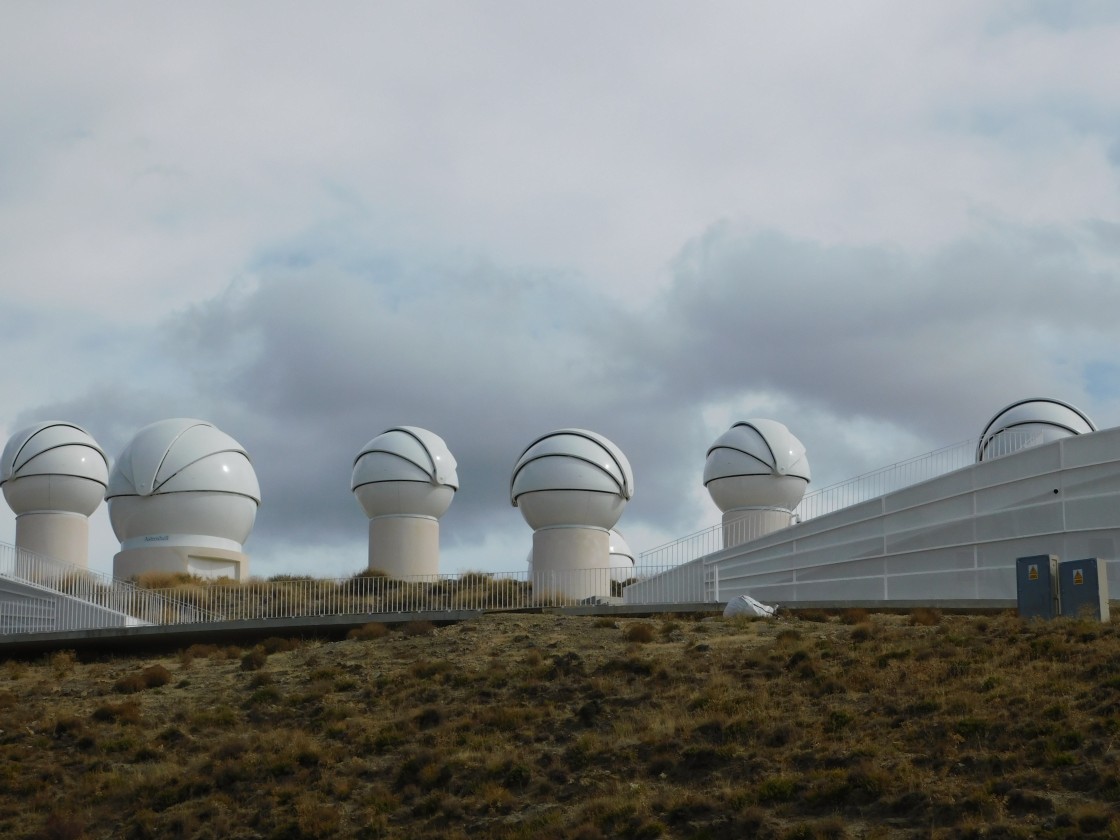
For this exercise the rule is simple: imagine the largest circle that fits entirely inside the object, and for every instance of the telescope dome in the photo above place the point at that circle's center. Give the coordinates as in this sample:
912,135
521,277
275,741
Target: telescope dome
183,476
571,477
53,466
621,557
405,471
1030,422
756,464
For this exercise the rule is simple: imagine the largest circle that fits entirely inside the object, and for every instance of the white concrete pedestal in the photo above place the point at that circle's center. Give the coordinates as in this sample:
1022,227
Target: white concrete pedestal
404,545
572,561
58,534
745,524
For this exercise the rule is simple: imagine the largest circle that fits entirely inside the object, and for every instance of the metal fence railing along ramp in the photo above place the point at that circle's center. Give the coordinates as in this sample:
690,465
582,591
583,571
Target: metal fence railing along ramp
377,594
41,594
844,494
52,596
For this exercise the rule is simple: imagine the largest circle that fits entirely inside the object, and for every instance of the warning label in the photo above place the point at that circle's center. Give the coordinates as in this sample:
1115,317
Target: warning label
1032,572
1078,578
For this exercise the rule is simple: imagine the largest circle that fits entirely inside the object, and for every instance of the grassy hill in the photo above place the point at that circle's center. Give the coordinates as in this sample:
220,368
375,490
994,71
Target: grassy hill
545,726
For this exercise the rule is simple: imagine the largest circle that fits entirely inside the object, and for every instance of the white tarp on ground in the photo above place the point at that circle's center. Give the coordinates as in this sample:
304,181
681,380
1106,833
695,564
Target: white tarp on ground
746,605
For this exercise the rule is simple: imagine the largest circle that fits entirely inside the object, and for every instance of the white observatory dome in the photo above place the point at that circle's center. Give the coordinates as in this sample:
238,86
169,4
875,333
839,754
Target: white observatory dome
1030,422
621,554
405,471
53,466
183,477
571,477
756,464
621,558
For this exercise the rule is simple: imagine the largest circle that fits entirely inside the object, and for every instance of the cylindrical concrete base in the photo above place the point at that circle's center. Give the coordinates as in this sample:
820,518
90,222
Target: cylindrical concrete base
404,546
56,534
572,561
746,524
185,560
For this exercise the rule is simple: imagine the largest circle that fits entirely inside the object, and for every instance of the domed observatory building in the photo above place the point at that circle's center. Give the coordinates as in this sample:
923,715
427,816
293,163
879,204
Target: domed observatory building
54,476
183,497
621,560
405,480
571,487
756,472
1030,422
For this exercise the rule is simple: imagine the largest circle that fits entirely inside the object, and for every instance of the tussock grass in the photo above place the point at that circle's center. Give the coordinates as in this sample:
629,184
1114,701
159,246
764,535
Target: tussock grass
545,726
151,677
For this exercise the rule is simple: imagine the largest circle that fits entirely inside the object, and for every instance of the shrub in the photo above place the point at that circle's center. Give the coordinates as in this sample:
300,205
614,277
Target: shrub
155,676
129,684
788,636
201,652
854,615
68,726
925,617
776,789
1092,818
275,644
63,827
126,712
368,632
639,633
861,633
254,660
62,662
815,615
418,628
151,677
165,580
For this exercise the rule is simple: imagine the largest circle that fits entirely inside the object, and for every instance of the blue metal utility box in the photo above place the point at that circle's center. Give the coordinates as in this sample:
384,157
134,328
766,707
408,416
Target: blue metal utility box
1083,588
1036,586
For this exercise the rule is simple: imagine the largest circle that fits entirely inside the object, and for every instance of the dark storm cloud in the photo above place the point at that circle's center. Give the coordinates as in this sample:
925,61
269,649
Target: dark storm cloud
319,358
925,342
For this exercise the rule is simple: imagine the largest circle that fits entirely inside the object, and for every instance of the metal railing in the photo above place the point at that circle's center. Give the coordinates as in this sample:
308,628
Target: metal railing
75,598
844,494
61,596
301,597
887,479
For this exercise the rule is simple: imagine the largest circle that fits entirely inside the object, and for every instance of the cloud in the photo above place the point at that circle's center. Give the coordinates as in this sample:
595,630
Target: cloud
922,340
308,226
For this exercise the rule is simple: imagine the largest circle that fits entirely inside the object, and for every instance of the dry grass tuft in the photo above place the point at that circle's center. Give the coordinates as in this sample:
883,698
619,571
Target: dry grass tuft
151,677
640,633
254,660
166,580
854,615
418,628
368,632
126,712
925,617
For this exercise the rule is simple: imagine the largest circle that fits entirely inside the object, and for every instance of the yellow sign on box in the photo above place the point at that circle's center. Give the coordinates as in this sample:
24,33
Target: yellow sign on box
1032,574
1078,578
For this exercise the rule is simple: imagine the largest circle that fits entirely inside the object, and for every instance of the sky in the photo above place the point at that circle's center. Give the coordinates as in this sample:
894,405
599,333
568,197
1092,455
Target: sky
876,222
